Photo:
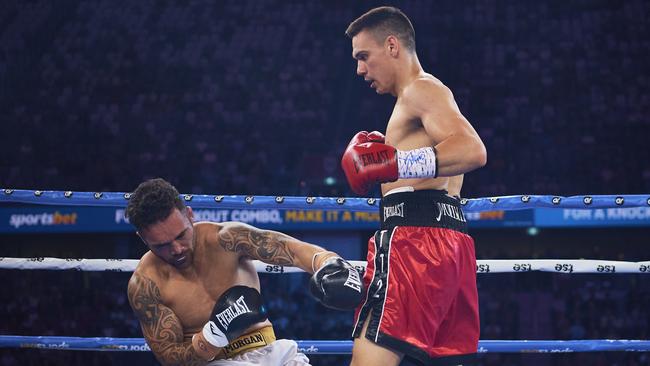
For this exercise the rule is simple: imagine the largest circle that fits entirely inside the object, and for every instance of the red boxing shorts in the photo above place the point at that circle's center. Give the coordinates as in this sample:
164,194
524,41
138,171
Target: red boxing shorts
421,280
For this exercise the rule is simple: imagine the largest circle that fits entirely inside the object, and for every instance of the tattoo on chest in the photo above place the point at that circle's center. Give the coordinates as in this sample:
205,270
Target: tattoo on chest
270,247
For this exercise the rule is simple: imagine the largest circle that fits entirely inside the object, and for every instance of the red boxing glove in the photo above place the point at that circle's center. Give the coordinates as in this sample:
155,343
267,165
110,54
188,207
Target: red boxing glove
367,160
365,136
376,136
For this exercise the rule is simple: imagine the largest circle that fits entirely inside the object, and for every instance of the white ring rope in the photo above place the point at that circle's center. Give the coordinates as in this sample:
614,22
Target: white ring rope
483,266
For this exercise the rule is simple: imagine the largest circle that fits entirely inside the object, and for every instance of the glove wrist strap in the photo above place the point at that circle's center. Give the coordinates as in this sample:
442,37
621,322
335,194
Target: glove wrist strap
417,163
313,260
213,335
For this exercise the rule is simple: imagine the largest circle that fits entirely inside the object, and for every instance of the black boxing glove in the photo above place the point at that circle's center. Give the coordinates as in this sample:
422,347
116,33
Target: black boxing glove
235,311
337,285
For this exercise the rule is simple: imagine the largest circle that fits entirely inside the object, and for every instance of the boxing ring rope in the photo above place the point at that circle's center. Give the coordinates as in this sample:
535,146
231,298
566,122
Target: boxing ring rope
483,266
327,347
517,202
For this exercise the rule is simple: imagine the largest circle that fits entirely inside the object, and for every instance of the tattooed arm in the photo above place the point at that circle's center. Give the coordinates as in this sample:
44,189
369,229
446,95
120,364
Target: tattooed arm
271,246
161,328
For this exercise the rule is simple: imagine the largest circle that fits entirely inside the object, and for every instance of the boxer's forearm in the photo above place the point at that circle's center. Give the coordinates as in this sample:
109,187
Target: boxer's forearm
460,154
177,354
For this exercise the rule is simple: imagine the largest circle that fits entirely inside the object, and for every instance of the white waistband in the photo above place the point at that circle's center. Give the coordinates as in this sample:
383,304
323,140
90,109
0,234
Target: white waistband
400,190
406,189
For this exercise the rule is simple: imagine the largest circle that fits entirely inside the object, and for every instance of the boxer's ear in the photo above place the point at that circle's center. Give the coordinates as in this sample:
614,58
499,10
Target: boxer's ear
392,44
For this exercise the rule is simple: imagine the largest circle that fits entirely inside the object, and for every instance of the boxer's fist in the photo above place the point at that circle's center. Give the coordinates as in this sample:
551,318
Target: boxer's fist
236,310
337,285
367,160
376,136
359,138
365,136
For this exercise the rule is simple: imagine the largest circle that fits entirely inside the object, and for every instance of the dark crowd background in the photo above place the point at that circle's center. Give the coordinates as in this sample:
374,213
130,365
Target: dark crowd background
261,97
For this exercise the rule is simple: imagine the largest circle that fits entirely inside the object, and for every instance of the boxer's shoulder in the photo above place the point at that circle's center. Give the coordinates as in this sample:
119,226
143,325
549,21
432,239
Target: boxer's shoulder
424,88
150,267
206,233
424,96
144,284
233,228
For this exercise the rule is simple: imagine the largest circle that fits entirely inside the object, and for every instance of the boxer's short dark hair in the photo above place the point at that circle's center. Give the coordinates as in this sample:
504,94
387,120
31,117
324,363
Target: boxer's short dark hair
151,202
383,22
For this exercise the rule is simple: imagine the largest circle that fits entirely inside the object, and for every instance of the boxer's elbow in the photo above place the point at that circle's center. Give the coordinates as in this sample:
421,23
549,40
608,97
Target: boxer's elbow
478,156
481,158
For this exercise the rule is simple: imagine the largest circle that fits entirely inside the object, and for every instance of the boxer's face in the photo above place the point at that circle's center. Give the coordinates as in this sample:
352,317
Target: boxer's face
172,239
374,62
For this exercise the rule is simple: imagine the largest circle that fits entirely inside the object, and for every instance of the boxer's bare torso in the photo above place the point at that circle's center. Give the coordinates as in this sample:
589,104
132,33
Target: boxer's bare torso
405,131
191,293
191,270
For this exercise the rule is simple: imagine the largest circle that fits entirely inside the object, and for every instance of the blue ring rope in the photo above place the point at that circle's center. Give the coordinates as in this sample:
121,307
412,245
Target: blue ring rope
330,347
522,202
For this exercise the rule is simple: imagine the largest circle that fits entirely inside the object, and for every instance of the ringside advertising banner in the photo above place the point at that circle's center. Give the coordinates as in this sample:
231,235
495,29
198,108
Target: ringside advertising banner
39,219
80,219
600,217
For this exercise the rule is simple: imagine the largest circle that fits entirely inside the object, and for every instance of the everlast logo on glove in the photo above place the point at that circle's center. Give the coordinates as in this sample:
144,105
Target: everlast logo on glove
367,160
337,285
379,157
238,308
353,281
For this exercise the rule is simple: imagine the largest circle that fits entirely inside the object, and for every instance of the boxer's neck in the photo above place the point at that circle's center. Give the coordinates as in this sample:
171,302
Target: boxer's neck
408,69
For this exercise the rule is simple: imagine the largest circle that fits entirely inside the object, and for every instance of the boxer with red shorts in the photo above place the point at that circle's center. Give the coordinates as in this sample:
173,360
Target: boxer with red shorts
421,301
434,317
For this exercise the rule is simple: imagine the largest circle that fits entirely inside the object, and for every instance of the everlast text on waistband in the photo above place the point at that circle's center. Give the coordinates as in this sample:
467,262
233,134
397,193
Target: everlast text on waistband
430,208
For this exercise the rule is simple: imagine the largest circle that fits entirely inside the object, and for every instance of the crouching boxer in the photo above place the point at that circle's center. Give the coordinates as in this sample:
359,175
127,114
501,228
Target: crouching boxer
196,292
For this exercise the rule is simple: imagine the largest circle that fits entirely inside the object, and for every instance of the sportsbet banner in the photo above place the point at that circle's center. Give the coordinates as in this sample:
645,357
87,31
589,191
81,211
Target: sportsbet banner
52,219
32,219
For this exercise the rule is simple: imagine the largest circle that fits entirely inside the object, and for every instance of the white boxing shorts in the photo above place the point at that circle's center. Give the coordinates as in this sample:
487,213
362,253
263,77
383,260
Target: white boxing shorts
282,352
